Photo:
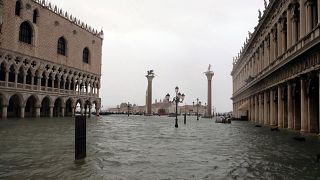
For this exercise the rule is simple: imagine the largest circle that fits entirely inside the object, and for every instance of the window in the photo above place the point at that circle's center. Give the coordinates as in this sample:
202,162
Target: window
62,46
25,34
18,8
35,16
85,56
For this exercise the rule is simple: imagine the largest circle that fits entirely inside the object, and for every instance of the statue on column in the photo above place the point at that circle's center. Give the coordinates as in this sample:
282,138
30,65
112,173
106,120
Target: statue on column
265,4
209,67
260,14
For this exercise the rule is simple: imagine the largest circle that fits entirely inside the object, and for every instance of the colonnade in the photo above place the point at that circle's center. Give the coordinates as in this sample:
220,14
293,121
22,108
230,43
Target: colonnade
293,104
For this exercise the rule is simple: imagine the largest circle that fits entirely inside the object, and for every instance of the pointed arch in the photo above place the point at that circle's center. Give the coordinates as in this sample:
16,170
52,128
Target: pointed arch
45,107
18,8
69,107
57,108
15,104
86,55
35,16
26,33
62,46
31,104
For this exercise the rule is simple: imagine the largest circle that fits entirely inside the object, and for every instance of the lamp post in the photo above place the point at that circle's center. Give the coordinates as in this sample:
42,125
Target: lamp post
178,99
197,105
128,108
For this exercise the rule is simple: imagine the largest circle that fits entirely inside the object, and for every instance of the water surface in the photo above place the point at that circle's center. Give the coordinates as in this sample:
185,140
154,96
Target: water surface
138,147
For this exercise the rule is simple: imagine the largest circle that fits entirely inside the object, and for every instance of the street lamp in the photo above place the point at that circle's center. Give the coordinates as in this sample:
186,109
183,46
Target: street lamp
197,105
128,108
178,99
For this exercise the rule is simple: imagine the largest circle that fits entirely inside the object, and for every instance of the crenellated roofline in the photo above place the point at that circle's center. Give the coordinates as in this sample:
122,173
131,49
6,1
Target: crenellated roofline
69,17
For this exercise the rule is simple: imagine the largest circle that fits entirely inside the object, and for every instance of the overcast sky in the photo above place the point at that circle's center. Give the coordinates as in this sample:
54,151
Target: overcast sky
178,39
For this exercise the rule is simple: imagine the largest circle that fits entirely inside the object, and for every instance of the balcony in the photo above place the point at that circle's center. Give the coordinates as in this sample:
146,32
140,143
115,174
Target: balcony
12,87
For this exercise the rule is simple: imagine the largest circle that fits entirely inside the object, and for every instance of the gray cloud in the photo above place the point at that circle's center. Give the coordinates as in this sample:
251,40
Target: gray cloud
176,38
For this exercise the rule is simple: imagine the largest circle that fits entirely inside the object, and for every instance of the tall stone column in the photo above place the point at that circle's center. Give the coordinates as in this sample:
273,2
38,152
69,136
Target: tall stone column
46,84
16,80
97,111
38,112
4,112
318,8
279,37
304,106
290,107
261,108
271,46
256,111
294,31
39,82
22,111
319,82
209,75
63,111
309,16
265,112
73,111
302,18
289,27
272,112
7,78
150,76
51,112
280,108
32,81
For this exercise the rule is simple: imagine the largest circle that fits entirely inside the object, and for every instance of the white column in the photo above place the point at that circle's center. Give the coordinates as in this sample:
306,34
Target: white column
46,85
37,112
319,76
22,111
304,106
4,112
289,28
39,82
32,81
290,107
7,78
302,18
279,37
309,16
318,8
280,108
272,112
16,80
63,111
256,118
265,120
51,112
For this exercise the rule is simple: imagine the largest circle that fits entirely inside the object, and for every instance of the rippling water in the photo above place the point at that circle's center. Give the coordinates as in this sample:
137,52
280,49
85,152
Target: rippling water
141,147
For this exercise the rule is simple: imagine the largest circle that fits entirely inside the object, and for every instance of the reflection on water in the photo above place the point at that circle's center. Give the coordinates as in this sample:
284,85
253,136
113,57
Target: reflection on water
137,147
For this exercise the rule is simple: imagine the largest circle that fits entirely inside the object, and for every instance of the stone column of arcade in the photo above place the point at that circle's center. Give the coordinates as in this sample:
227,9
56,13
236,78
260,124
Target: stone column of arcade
150,76
209,75
4,111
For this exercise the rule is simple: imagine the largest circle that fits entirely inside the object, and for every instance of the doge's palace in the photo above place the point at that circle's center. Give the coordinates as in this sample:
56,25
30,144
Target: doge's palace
50,61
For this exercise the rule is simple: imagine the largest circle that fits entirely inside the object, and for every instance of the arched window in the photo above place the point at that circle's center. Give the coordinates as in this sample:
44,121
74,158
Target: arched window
25,34
18,8
85,55
62,46
35,16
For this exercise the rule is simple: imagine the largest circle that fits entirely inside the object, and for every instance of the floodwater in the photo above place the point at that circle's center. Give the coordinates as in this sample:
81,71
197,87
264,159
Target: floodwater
138,147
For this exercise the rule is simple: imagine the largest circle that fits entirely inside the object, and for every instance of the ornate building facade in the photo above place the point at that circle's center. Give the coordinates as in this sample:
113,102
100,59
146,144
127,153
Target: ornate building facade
276,74
50,61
